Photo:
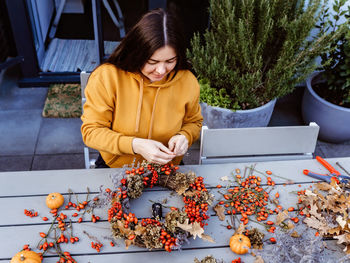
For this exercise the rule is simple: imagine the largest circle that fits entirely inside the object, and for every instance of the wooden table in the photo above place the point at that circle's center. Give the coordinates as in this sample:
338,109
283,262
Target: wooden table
28,190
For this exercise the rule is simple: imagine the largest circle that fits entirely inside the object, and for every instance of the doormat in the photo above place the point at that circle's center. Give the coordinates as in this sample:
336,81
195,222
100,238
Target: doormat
63,101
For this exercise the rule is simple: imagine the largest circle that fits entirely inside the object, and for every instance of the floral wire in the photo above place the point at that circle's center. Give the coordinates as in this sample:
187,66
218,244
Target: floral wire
337,163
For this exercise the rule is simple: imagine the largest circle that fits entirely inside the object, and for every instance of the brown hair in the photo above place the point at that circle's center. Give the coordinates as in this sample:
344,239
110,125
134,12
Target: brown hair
154,30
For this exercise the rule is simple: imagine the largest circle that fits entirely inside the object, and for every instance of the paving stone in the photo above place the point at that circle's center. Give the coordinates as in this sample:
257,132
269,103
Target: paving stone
14,98
191,157
15,163
58,162
333,150
19,131
318,151
58,135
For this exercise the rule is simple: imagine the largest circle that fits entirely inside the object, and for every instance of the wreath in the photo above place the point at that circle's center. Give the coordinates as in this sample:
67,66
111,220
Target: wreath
177,226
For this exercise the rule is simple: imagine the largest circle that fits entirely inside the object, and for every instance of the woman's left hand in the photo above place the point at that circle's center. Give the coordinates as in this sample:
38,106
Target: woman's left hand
178,144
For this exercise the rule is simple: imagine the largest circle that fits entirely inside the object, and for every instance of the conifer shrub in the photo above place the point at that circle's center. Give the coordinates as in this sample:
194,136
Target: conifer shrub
256,50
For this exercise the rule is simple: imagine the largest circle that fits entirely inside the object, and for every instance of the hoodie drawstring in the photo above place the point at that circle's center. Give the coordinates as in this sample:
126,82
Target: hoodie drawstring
138,115
152,116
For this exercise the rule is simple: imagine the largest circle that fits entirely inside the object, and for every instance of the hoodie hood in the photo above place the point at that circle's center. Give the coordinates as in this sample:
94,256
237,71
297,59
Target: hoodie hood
166,82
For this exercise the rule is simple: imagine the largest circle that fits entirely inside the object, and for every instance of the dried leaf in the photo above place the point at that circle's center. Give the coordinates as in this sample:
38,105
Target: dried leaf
335,230
290,225
341,221
258,259
281,216
194,229
309,193
129,243
319,195
220,211
224,178
255,246
207,238
323,186
313,211
295,234
123,230
139,230
240,229
347,249
344,238
181,190
190,193
317,224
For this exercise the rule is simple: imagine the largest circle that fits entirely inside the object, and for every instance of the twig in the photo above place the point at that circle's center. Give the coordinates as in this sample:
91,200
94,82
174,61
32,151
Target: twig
287,179
91,236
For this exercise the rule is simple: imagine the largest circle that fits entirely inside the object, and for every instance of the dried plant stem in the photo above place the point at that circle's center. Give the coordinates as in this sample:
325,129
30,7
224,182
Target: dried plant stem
91,236
271,174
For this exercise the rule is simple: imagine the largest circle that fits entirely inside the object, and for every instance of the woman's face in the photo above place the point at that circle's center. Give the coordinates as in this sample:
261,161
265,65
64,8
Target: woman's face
160,64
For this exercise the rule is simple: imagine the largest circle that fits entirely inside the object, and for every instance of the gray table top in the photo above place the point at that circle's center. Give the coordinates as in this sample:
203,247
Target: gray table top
28,190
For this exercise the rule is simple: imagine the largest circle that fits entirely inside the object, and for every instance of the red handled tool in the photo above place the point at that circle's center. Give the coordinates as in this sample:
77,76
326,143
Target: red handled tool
325,177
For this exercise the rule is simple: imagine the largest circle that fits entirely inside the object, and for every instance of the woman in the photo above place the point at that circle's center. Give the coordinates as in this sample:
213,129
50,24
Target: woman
143,103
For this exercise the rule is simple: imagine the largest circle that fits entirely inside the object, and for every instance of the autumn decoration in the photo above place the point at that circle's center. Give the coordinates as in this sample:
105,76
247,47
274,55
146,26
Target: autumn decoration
54,200
208,259
326,209
239,244
26,256
179,223
248,197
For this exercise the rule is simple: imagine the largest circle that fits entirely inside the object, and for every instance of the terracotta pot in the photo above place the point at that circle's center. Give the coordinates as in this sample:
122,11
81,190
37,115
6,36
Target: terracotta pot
334,120
215,117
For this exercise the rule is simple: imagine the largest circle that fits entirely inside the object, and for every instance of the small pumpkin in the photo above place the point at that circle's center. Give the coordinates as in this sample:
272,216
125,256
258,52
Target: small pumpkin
26,256
239,244
54,200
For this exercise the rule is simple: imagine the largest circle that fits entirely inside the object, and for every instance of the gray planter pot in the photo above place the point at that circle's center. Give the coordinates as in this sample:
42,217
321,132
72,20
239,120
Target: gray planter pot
215,117
334,120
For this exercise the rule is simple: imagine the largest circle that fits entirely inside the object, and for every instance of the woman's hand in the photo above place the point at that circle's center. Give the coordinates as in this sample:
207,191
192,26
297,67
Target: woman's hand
152,151
178,144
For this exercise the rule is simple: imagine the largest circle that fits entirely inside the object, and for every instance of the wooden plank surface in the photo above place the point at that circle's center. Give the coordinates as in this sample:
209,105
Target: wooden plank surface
20,190
44,182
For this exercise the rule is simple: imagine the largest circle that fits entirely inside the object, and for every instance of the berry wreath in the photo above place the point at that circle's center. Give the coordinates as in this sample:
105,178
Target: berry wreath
178,224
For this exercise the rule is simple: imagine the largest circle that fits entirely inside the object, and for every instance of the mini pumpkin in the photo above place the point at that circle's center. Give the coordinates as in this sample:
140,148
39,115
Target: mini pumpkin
26,256
240,244
54,200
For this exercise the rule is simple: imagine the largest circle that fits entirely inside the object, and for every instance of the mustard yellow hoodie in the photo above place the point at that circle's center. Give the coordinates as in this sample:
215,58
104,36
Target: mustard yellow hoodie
121,105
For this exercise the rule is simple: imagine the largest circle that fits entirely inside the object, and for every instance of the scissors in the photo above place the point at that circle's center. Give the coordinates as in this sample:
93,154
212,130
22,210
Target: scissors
334,174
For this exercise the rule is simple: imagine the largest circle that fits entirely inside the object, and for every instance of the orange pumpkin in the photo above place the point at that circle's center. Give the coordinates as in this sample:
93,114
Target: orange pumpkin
26,256
239,244
54,200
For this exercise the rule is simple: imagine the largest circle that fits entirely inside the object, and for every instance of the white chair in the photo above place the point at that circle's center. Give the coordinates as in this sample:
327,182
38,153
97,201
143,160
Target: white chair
257,144
89,162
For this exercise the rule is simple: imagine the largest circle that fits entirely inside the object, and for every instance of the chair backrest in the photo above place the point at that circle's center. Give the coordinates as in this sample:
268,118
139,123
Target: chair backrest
257,144
84,76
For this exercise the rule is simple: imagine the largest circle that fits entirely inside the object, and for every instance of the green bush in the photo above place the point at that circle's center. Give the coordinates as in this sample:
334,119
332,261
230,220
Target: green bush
256,50
336,60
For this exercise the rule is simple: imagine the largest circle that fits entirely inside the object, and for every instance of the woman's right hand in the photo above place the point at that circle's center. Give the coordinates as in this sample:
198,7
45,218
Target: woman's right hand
152,151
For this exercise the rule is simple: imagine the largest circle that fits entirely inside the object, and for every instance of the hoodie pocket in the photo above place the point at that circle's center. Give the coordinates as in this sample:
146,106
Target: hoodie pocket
115,157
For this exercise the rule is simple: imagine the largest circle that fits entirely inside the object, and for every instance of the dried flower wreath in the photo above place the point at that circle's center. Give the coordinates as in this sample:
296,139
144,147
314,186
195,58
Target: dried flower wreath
178,224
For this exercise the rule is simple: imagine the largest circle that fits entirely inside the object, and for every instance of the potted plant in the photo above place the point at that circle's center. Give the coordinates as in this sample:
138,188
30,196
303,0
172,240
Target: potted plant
254,52
326,98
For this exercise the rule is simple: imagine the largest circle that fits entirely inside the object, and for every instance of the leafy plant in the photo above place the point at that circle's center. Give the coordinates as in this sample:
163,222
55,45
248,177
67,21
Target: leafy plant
256,50
336,61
